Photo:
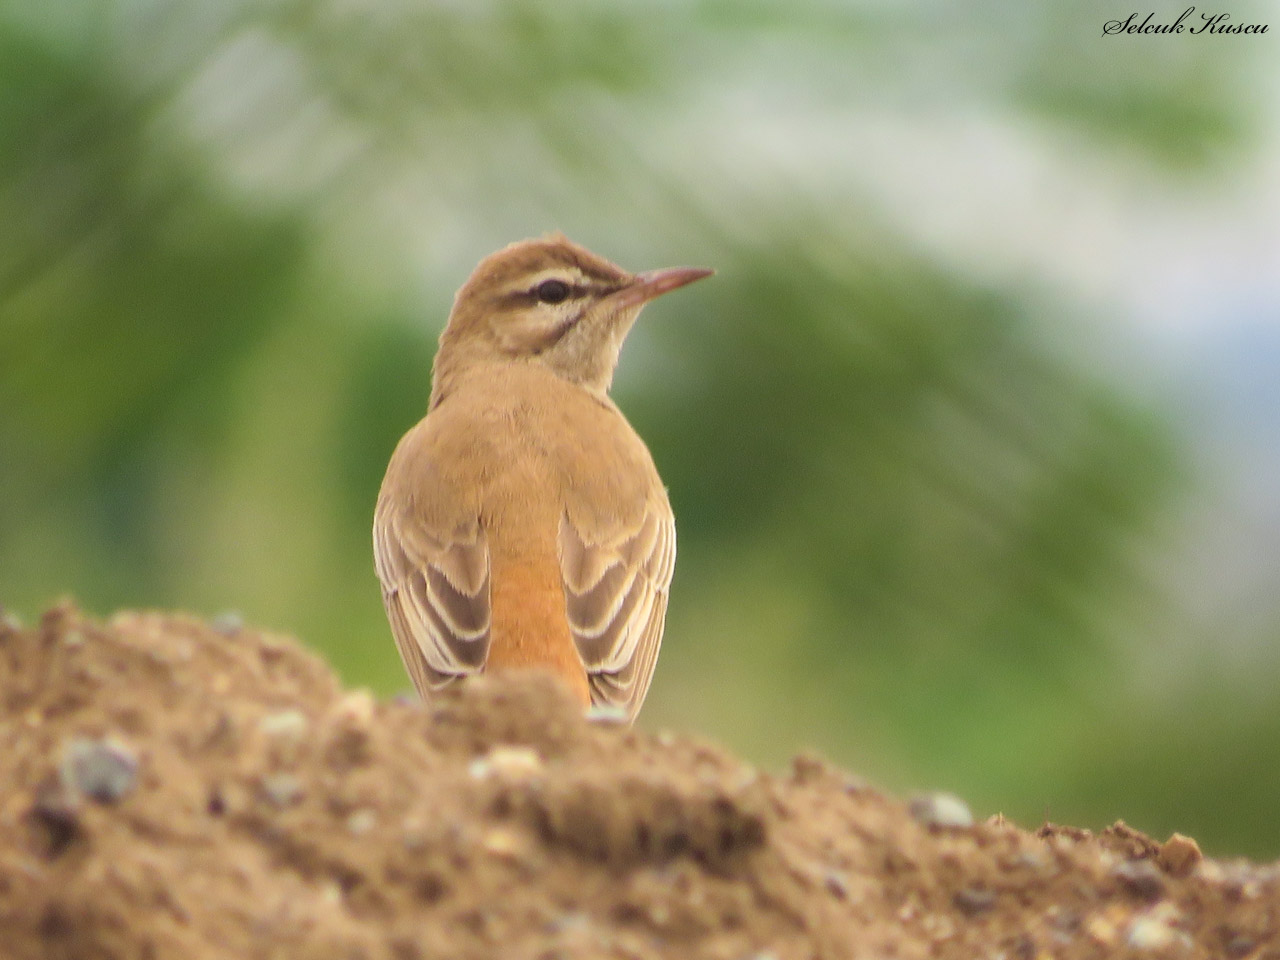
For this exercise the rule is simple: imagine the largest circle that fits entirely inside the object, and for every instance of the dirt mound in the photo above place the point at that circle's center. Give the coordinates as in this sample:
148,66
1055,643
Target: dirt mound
174,789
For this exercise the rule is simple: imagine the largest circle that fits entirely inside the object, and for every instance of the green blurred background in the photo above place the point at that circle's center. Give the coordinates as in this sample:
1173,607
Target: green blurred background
973,440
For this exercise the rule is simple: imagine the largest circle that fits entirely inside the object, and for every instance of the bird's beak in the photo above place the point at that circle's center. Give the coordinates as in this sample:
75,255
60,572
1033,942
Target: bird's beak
643,287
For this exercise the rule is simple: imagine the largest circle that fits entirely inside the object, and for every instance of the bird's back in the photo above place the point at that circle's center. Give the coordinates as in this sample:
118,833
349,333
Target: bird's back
516,453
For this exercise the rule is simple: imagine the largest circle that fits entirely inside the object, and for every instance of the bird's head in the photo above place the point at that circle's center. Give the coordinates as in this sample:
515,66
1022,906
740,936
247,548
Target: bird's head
551,302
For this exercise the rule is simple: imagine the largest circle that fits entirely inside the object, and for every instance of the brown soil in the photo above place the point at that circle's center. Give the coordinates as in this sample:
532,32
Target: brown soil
175,790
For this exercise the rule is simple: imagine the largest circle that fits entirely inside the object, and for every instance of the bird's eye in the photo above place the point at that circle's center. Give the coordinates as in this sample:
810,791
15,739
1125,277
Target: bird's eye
552,291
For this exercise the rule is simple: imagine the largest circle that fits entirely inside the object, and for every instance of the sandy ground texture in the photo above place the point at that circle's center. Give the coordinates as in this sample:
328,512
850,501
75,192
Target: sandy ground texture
173,789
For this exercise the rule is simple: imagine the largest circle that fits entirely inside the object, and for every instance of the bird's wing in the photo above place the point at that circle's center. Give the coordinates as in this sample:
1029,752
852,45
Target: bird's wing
615,589
435,587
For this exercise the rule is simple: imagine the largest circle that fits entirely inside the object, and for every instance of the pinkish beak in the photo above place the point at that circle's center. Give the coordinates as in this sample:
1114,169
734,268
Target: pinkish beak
654,283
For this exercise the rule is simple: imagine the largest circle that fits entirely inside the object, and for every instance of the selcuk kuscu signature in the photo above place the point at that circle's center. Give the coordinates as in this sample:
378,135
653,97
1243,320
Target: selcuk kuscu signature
1209,23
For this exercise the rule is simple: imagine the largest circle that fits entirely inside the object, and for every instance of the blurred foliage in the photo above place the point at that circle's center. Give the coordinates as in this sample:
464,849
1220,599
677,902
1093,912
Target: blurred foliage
911,535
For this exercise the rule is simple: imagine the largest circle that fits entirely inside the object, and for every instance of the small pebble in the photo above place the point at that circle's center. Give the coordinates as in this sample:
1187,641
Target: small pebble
1179,855
938,927
216,802
1103,927
1156,930
356,707
286,732
940,810
73,638
1239,880
836,885
362,821
228,623
807,768
972,901
506,843
1063,920
57,808
854,784
746,777
569,923
1141,878
1033,860
282,789
1240,946
59,615
510,763
272,649
105,770
286,725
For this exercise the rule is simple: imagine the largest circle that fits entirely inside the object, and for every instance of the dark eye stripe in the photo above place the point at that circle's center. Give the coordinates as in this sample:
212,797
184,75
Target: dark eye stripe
576,292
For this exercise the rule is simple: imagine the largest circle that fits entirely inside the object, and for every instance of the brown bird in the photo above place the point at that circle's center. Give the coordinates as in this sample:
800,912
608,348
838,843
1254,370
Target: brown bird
522,523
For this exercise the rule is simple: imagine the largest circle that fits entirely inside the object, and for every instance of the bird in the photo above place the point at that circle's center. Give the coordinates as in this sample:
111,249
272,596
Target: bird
522,523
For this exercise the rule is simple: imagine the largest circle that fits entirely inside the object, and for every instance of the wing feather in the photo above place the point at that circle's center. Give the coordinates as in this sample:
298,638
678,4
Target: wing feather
616,601
436,593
